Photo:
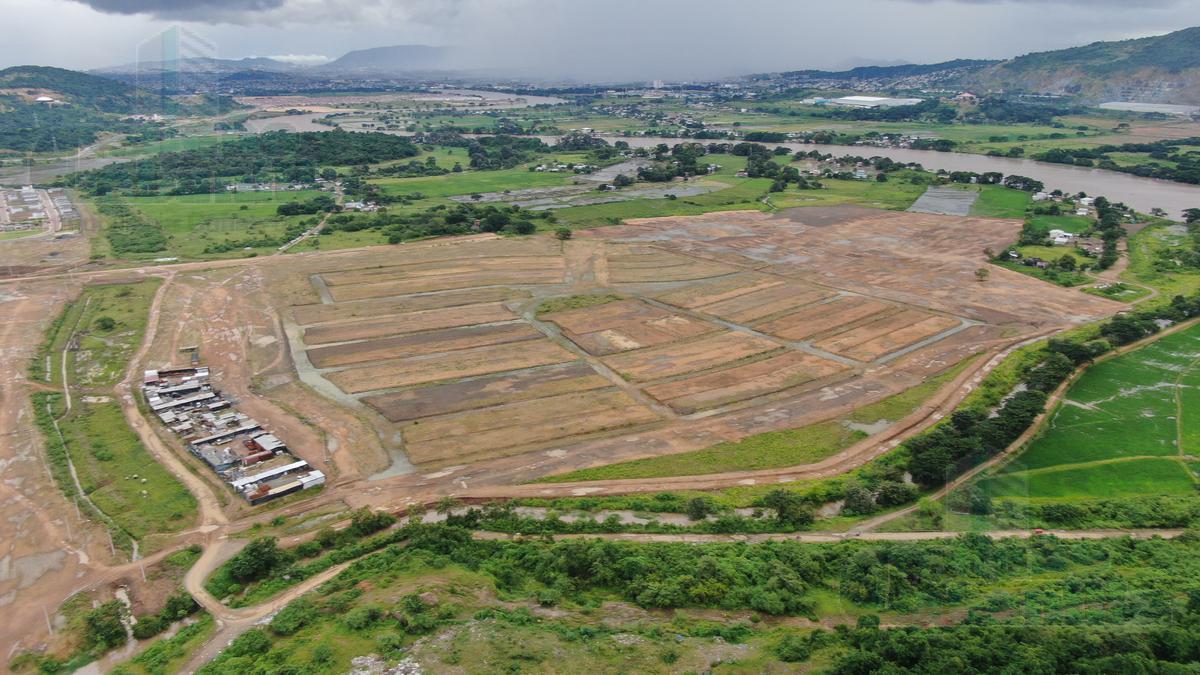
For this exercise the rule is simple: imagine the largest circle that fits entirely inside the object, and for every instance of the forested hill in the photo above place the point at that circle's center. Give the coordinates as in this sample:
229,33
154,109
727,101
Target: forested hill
83,107
277,155
889,72
1162,69
78,89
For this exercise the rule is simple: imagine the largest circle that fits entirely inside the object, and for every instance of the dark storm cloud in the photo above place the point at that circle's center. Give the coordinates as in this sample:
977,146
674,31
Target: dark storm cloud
180,8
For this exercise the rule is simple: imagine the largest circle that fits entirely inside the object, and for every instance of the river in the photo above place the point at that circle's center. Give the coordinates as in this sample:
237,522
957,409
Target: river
1143,194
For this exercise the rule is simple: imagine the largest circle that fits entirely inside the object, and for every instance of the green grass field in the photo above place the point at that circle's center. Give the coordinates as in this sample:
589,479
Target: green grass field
103,353
473,182
1072,224
120,476
776,448
195,224
1000,202
114,469
1126,427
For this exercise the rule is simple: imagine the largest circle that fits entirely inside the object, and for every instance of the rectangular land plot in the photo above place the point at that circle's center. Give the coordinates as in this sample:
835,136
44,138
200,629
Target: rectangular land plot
486,391
441,268
856,340
669,360
758,305
506,430
432,319
897,339
437,367
777,373
818,319
307,315
415,344
643,264
467,279
624,325
716,290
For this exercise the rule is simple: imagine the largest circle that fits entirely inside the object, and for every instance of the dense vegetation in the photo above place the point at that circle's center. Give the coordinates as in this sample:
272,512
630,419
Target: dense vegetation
1166,159
295,157
489,152
1013,605
441,220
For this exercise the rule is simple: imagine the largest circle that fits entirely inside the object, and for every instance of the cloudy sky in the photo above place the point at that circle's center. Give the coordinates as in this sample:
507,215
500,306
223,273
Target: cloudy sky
588,39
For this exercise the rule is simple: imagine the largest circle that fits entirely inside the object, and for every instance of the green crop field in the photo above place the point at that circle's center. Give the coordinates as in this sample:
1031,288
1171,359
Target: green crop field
1128,426
1151,476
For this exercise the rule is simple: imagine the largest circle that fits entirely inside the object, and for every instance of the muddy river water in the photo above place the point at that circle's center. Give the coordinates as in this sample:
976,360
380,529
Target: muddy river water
1143,194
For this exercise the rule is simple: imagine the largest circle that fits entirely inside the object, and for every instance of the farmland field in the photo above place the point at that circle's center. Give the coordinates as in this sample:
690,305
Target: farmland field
1129,425
658,336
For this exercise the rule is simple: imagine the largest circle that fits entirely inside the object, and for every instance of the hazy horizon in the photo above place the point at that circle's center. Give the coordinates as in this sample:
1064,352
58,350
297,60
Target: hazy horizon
586,41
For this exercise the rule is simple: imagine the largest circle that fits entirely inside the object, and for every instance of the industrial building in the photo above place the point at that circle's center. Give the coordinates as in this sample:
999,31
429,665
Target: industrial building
253,461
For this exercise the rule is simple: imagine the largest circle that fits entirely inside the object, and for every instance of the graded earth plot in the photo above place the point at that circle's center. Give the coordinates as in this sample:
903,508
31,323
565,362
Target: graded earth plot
923,260
624,325
739,382
638,264
677,332
681,358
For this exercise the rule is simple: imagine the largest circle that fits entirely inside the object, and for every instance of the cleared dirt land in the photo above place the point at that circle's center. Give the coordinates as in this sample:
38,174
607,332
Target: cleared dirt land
665,335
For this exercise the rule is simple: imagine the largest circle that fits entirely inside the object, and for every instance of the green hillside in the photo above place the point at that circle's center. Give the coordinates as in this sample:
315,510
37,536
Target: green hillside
89,105
1163,69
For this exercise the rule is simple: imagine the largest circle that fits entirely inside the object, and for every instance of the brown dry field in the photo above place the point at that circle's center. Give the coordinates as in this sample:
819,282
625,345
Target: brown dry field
679,358
449,365
417,344
749,308
740,382
840,313
307,315
486,391
492,432
623,325
413,322
441,342
717,290
872,340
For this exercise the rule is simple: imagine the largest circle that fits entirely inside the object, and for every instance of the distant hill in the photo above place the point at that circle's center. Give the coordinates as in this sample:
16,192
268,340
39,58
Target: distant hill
202,65
888,72
397,58
1160,69
79,89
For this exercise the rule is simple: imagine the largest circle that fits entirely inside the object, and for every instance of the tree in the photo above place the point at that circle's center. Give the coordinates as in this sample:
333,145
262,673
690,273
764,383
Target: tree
789,508
259,557
982,274
104,625
622,181
698,508
1191,215
562,233
106,323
